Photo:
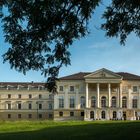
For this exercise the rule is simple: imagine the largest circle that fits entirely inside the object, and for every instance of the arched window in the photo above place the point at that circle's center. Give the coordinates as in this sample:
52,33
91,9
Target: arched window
113,101
134,102
103,114
114,114
124,102
103,101
93,101
82,101
92,114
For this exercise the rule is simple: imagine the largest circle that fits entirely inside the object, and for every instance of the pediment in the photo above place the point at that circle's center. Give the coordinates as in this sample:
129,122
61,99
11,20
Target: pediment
103,74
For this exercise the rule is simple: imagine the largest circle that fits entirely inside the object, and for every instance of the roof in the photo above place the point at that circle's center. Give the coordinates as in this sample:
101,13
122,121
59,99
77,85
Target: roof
80,76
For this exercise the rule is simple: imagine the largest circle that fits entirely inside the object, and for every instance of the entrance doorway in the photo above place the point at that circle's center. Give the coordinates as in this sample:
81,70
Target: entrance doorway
124,115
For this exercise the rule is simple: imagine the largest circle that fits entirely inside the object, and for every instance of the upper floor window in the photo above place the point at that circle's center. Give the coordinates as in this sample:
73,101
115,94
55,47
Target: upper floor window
82,101
93,101
134,102
50,106
72,102
61,88
19,105
19,96
124,102
61,102
9,96
113,101
9,106
71,88
39,106
135,89
40,96
103,101
30,96
29,106
125,88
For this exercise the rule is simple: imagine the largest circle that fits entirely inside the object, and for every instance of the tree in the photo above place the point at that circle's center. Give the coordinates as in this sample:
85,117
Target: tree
41,31
122,17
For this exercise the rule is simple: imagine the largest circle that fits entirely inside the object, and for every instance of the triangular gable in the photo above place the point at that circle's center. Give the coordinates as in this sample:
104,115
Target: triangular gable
103,74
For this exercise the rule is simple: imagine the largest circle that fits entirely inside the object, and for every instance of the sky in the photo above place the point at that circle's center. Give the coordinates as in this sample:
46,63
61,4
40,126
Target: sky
93,52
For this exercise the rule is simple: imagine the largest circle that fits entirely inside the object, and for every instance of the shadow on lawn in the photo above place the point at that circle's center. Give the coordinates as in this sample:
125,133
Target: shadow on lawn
95,131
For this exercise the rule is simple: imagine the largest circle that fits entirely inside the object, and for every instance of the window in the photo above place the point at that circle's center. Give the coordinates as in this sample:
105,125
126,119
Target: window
9,96
50,106
9,116
39,106
19,116
82,114
19,105
39,116
103,114
135,89
61,102
29,116
30,96
124,102
19,96
61,88
71,88
72,102
134,103
39,96
125,88
72,114
82,101
92,114
114,114
113,101
103,101
29,106
61,114
50,116
93,101
9,106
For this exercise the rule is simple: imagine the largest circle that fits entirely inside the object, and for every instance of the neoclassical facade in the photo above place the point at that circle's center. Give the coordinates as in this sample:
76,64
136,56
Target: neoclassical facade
99,95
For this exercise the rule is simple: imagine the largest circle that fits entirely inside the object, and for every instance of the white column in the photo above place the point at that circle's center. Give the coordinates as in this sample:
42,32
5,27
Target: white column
56,101
109,95
66,100
77,97
86,95
98,95
139,99
129,100
120,96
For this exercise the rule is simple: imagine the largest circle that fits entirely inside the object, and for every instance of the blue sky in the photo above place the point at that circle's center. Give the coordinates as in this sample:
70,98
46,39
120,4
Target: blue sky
88,54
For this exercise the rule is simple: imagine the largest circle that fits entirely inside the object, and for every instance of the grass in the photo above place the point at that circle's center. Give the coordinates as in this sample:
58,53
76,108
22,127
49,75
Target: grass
70,130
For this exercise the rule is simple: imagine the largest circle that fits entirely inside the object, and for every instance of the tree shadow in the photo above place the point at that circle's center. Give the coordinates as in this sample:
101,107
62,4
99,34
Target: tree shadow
95,131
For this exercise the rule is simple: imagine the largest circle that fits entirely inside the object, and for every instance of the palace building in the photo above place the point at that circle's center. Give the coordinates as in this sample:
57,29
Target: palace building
99,95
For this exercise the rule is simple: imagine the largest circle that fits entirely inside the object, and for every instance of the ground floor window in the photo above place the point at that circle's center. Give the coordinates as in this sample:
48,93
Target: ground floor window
40,116
134,103
50,116
9,116
72,114
29,116
124,115
82,113
92,114
103,114
19,116
114,114
61,114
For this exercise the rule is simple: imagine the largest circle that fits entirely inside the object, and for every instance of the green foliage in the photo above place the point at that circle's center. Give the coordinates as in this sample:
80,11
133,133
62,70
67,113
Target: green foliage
122,17
41,31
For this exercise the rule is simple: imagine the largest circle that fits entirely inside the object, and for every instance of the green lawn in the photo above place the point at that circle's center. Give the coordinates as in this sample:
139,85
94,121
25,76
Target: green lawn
74,130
